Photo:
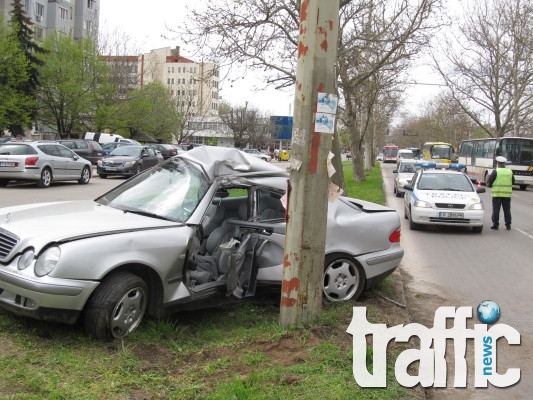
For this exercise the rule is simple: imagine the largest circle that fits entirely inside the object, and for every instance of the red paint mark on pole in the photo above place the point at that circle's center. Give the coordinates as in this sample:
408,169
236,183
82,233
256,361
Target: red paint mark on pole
331,25
315,146
287,287
302,50
324,45
303,10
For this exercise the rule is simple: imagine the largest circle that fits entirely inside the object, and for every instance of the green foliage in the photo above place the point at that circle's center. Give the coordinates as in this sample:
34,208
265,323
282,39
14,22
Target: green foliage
73,84
149,109
16,106
370,189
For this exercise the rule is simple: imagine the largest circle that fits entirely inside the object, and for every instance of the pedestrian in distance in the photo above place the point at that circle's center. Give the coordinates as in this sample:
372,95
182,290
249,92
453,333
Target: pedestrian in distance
501,180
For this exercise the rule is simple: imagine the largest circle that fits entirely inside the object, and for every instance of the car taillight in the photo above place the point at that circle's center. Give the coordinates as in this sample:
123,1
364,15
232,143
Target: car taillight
31,160
174,152
395,236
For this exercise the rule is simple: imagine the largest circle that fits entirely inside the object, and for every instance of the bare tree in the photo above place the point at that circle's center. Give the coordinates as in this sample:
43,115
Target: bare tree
263,35
249,127
487,63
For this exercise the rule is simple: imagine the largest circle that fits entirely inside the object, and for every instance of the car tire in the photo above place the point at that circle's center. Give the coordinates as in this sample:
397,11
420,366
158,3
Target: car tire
523,187
103,176
477,229
116,307
85,176
4,182
137,169
344,278
46,178
396,192
413,225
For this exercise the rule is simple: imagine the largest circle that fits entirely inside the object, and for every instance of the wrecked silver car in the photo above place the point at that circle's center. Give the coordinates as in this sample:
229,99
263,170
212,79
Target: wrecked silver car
203,228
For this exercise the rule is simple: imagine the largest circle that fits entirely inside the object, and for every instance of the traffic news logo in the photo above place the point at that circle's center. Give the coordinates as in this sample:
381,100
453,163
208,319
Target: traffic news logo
432,369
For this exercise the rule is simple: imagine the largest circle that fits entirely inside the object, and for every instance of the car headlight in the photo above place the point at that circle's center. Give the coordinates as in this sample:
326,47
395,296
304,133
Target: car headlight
420,203
26,259
130,163
47,261
477,206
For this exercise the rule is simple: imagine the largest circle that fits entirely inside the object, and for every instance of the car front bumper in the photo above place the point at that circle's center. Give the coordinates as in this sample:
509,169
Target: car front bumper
431,216
48,299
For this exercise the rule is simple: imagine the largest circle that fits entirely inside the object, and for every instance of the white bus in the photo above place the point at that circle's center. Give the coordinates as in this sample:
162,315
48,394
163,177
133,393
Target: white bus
479,157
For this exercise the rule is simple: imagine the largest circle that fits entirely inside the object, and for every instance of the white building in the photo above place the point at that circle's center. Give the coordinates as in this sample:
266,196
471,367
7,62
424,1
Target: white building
194,85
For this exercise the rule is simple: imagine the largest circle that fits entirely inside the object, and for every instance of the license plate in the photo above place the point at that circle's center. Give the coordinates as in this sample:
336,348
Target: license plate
111,169
451,215
8,164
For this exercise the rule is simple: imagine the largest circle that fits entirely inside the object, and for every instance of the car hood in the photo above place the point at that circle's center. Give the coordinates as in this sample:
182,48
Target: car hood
42,223
119,159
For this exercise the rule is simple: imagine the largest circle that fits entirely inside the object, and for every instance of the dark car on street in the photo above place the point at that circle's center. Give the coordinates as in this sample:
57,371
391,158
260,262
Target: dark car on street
166,150
127,161
109,147
88,149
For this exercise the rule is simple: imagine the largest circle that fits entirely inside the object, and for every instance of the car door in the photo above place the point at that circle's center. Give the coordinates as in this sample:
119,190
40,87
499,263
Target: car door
149,158
55,161
70,161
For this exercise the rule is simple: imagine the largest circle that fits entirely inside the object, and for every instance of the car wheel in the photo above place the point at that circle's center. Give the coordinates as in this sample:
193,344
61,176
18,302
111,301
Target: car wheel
4,182
396,192
116,307
523,187
137,169
85,176
477,229
46,178
344,279
102,176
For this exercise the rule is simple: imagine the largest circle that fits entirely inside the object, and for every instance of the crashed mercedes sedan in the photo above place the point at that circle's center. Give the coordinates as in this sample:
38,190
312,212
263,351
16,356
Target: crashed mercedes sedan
201,229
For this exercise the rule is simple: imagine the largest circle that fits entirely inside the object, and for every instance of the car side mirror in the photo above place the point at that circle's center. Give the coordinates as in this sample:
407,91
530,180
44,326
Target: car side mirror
395,171
481,189
408,187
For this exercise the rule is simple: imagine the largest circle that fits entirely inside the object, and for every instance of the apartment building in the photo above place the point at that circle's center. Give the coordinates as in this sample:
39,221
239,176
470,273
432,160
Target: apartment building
194,85
76,18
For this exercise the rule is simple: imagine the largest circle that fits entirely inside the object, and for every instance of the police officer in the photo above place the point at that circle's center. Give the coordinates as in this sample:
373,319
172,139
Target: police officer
501,180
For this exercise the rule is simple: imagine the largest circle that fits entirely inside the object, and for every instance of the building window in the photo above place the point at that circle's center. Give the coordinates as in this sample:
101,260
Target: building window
179,70
90,4
172,69
63,13
168,81
38,33
88,25
39,12
27,5
172,80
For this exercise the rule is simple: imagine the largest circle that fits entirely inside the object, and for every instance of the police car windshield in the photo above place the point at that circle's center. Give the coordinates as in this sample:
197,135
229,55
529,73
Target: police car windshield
445,182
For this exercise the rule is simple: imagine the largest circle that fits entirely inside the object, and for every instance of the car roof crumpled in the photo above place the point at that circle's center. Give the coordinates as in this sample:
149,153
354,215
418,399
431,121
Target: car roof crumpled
225,161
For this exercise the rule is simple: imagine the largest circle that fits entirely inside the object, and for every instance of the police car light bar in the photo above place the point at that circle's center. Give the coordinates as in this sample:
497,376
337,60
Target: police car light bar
435,165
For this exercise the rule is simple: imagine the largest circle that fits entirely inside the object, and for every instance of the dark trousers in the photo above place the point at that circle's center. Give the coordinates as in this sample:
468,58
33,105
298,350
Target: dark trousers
505,203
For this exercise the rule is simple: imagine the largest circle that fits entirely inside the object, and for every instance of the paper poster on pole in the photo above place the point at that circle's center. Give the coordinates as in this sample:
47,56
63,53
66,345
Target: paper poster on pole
327,103
324,123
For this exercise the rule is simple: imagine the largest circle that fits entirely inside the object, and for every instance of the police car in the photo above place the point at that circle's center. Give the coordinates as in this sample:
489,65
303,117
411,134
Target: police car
441,194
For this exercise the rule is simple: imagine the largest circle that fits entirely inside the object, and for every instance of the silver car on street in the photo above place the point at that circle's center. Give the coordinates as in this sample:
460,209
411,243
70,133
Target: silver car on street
42,162
204,228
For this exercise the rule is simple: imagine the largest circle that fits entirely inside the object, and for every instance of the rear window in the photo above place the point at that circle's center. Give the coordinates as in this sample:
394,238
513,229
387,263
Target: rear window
16,149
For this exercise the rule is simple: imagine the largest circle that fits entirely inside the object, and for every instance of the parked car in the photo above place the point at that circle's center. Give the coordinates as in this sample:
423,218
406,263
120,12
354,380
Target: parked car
109,147
88,149
404,174
441,194
204,228
166,150
258,154
379,157
127,161
42,162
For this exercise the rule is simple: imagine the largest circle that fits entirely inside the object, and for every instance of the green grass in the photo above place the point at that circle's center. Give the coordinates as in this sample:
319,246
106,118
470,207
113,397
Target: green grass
234,353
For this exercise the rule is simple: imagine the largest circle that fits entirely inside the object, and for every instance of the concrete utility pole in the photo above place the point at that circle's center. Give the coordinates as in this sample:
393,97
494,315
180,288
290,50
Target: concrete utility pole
315,106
